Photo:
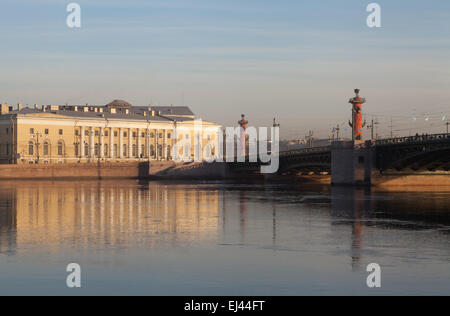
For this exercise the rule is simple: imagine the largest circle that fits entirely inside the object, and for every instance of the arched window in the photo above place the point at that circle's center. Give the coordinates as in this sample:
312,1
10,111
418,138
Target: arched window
60,148
46,149
30,148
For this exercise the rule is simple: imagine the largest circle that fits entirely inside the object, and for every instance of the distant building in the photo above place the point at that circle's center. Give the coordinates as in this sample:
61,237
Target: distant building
114,132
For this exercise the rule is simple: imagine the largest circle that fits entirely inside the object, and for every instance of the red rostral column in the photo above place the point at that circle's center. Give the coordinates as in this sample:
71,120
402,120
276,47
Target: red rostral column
357,122
243,123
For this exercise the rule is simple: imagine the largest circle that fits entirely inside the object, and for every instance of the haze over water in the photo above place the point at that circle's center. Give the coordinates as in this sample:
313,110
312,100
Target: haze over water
214,238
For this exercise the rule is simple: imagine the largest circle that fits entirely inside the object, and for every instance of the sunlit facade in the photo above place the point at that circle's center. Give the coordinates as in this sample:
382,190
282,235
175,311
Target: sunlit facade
115,132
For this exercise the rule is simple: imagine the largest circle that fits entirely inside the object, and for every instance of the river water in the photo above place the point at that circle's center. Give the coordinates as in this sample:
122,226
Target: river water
215,238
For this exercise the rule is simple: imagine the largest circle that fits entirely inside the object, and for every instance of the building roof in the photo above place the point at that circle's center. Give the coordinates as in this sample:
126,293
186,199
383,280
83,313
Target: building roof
122,111
118,104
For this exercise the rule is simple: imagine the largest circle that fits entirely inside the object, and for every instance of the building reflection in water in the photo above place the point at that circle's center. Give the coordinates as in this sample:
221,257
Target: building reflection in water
61,214
8,222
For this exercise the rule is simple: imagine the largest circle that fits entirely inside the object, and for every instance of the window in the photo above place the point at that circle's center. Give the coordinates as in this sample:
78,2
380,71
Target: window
86,133
97,133
31,130
160,151
152,150
169,152
125,134
160,135
142,151
60,132
86,149
134,134
142,134
116,152
76,133
46,131
152,135
169,136
46,149
115,133
124,150
106,150
97,150
30,148
134,151
106,133
60,148
77,150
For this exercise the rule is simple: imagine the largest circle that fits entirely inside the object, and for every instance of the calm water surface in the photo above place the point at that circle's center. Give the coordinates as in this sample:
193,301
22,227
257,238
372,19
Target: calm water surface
220,239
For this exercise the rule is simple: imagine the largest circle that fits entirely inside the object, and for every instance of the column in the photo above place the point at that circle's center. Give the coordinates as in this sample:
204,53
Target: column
111,142
121,142
156,144
139,144
165,145
82,142
102,142
130,143
91,143
147,137
174,142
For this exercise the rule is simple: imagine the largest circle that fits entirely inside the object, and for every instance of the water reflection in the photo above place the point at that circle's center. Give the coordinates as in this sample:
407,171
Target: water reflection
92,214
352,206
280,231
8,222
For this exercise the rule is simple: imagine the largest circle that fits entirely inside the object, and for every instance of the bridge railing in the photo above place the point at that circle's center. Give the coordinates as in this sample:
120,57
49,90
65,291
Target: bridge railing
412,139
305,151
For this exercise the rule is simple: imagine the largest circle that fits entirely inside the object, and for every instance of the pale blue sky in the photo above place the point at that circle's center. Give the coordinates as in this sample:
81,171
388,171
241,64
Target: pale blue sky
297,60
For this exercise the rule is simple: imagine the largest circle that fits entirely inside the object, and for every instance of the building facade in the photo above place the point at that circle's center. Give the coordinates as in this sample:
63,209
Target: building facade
116,132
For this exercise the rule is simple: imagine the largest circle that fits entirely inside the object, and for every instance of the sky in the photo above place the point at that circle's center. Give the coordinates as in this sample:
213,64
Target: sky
298,61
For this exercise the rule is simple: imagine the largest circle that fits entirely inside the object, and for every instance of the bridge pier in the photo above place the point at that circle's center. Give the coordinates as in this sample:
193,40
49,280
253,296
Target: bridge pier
352,162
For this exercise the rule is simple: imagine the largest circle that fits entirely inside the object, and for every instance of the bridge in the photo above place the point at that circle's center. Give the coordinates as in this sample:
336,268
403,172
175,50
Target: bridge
426,152
353,162
361,162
